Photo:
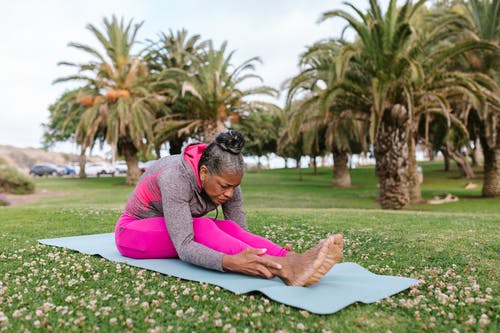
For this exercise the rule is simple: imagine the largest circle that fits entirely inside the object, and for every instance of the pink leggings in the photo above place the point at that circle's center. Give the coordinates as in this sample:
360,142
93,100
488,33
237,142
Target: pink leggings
149,238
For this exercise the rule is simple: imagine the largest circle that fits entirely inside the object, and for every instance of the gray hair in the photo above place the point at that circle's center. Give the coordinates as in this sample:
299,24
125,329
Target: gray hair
224,154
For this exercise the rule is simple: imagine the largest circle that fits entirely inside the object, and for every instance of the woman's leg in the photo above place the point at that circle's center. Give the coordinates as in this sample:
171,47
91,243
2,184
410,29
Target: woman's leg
231,238
144,239
207,232
149,238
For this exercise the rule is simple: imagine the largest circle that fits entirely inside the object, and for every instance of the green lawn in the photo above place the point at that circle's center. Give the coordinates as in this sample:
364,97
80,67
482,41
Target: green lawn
453,249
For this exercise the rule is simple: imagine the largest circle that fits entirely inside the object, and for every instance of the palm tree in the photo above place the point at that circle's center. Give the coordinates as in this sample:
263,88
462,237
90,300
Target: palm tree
63,121
480,20
404,78
166,57
334,119
260,129
126,99
440,88
58,128
384,43
449,136
217,92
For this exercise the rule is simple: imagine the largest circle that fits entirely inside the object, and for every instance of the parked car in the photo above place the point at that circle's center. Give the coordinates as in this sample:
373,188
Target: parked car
66,170
44,170
144,165
99,169
121,167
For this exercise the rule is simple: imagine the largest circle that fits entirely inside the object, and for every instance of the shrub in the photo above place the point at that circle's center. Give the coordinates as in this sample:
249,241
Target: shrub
13,181
4,201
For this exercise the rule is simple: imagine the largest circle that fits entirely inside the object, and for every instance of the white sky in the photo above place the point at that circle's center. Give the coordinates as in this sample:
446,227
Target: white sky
34,35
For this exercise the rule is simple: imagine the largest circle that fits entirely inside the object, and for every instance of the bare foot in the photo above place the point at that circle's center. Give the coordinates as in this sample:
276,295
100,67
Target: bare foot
334,255
339,240
297,269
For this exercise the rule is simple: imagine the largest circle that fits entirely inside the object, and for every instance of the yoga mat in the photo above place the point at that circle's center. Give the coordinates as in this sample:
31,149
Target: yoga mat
346,283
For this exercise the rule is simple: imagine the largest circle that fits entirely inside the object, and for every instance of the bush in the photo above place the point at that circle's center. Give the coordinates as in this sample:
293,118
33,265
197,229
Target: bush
4,201
13,181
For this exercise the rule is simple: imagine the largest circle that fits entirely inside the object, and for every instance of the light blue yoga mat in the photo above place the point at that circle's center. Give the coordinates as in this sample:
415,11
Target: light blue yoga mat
346,283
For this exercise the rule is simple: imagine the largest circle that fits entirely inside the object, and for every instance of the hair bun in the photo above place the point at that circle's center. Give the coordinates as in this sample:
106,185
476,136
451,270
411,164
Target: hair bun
231,141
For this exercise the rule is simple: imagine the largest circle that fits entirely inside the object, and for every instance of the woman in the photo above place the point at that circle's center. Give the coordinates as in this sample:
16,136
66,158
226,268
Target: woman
163,218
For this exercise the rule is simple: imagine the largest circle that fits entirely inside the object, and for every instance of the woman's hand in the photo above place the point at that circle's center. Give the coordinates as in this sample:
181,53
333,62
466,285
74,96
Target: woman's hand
289,247
249,262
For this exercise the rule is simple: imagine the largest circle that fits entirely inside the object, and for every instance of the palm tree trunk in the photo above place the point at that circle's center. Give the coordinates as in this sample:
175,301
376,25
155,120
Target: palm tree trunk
415,193
314,165
431,155
297,163
461,160
472,153
157,149
341,176
491,153
446,160
129,151
391,151
211,128
176,146
83,161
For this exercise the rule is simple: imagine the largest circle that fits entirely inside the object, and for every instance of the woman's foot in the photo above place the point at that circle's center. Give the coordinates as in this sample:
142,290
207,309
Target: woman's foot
334,255
297,269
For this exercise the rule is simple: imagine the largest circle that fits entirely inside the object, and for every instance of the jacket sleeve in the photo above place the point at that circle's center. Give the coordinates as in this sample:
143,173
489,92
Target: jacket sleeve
176,193
233,209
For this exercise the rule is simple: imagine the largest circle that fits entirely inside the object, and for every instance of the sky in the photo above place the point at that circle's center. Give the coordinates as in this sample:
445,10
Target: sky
35,36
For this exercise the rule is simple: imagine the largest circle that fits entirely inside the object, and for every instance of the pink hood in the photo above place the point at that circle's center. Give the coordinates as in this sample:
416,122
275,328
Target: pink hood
192,155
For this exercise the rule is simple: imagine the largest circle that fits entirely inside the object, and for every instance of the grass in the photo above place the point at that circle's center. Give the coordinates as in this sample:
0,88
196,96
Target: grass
453,249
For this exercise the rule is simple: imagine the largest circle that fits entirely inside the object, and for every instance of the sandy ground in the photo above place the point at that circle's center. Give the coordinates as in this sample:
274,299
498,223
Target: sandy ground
24,199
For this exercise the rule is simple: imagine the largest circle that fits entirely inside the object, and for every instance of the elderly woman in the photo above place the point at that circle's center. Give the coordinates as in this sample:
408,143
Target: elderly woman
163,218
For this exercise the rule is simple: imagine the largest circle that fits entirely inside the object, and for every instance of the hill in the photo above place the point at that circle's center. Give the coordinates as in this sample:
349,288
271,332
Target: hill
24,158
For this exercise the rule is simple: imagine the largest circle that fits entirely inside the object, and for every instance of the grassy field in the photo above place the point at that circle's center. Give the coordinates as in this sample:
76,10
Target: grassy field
453,249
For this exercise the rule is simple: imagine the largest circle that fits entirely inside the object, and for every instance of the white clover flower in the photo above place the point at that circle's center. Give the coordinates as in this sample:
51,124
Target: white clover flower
484,320
3,318
301,327
471,320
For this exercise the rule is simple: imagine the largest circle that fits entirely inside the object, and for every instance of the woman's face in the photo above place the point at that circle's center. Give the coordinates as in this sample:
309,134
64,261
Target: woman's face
219,188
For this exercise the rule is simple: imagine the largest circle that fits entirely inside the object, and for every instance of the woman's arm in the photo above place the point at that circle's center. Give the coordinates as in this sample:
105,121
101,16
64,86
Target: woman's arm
250,262
176,193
